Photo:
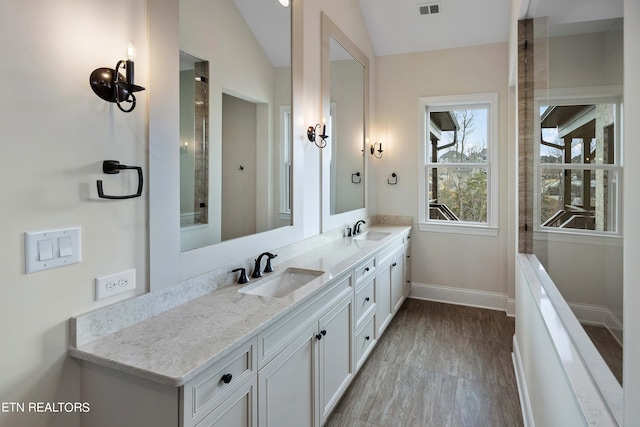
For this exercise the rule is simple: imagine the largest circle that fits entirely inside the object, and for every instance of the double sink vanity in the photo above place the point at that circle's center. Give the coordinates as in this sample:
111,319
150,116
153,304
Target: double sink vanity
277,351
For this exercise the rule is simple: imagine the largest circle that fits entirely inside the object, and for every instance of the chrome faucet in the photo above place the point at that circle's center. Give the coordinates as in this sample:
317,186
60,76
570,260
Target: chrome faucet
356,227
267,268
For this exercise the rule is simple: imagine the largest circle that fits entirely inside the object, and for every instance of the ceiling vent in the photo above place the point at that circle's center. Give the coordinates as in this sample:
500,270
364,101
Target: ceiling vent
430,8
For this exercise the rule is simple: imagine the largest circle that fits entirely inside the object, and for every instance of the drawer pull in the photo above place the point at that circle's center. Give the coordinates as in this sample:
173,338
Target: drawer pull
366,299
226,378
366,269
394,264
367,338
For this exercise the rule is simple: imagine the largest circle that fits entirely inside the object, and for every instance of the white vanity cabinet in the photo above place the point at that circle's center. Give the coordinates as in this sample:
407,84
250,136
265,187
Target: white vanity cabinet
288,370
365,301
391,289
225,394
301,384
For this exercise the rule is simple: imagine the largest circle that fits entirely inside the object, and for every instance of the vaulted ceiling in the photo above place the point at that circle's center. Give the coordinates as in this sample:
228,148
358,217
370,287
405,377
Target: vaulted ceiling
397,26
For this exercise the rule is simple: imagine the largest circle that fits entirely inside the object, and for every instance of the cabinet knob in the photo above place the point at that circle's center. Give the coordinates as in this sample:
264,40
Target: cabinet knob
318,337
366,269
394,264
367,338
323,332
367,299
226,378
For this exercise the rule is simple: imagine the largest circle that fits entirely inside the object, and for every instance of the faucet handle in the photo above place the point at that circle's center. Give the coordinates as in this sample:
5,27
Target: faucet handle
243,276
268,268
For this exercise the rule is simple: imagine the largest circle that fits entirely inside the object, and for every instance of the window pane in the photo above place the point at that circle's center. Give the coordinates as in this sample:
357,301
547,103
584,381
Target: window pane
579,134
578,199
458,136
459,194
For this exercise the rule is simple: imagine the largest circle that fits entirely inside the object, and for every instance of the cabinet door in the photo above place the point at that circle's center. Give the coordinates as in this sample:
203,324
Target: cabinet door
239,410
383,298
397,281
336,358
286,385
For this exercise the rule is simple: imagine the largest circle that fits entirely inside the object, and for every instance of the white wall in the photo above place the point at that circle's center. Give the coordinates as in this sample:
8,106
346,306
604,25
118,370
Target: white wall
583,60
55,134
549,402
472,263
631,366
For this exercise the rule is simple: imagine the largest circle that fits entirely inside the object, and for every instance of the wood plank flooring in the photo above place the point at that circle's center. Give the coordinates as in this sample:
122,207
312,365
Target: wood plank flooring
609,348
436,365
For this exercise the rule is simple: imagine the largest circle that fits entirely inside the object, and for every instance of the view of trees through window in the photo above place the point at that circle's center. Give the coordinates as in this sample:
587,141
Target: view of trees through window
458,170
578,173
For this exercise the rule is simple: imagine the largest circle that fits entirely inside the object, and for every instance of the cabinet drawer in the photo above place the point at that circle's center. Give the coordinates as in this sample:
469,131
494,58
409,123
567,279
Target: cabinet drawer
365,269
365,339
275,338
365,300
219,381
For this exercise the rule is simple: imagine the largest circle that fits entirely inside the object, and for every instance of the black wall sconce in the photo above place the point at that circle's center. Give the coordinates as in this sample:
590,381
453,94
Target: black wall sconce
311,134
112,86
377,153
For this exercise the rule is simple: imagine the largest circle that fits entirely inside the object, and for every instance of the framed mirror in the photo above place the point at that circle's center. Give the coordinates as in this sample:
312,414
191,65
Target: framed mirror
247,191
345,94
241,185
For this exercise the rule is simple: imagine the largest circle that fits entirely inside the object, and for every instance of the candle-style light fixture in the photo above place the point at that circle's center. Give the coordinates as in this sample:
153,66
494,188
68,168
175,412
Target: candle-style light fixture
376,152
312,131
112,86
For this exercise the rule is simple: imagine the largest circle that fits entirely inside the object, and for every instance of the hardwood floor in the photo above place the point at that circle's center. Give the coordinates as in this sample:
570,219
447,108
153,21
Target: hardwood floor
436,365
609,348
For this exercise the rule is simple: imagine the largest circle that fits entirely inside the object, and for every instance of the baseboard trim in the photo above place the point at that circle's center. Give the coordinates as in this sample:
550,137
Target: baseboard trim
597,315
511,307
525,403
472,298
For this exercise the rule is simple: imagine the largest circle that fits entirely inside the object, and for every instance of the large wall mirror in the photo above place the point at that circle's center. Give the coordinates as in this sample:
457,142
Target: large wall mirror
239,167
221,136
345,93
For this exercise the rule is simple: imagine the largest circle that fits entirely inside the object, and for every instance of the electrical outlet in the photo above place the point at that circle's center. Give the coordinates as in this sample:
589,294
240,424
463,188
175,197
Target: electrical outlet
114,284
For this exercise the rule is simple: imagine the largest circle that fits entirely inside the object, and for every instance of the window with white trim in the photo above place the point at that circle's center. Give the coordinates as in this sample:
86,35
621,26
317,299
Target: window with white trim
285,162
578,170
458,164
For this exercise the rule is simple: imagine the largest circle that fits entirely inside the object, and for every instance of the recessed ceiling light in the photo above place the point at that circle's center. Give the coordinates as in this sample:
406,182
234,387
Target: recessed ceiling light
284,3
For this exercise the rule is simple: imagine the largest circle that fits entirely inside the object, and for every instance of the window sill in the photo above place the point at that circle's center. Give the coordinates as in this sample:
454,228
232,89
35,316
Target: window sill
285,216
468,229
578,238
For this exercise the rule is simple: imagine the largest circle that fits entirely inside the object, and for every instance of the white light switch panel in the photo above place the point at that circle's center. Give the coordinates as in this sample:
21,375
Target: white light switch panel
50,249
114,284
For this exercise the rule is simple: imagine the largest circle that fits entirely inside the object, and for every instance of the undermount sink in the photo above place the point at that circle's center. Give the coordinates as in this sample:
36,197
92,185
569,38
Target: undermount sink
372,235
283,284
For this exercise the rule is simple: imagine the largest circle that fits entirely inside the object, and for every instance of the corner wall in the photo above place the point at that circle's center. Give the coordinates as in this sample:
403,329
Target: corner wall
438,257
55,134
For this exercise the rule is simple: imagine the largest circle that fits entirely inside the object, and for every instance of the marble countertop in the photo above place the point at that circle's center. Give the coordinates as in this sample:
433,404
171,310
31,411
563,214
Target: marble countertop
178,344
